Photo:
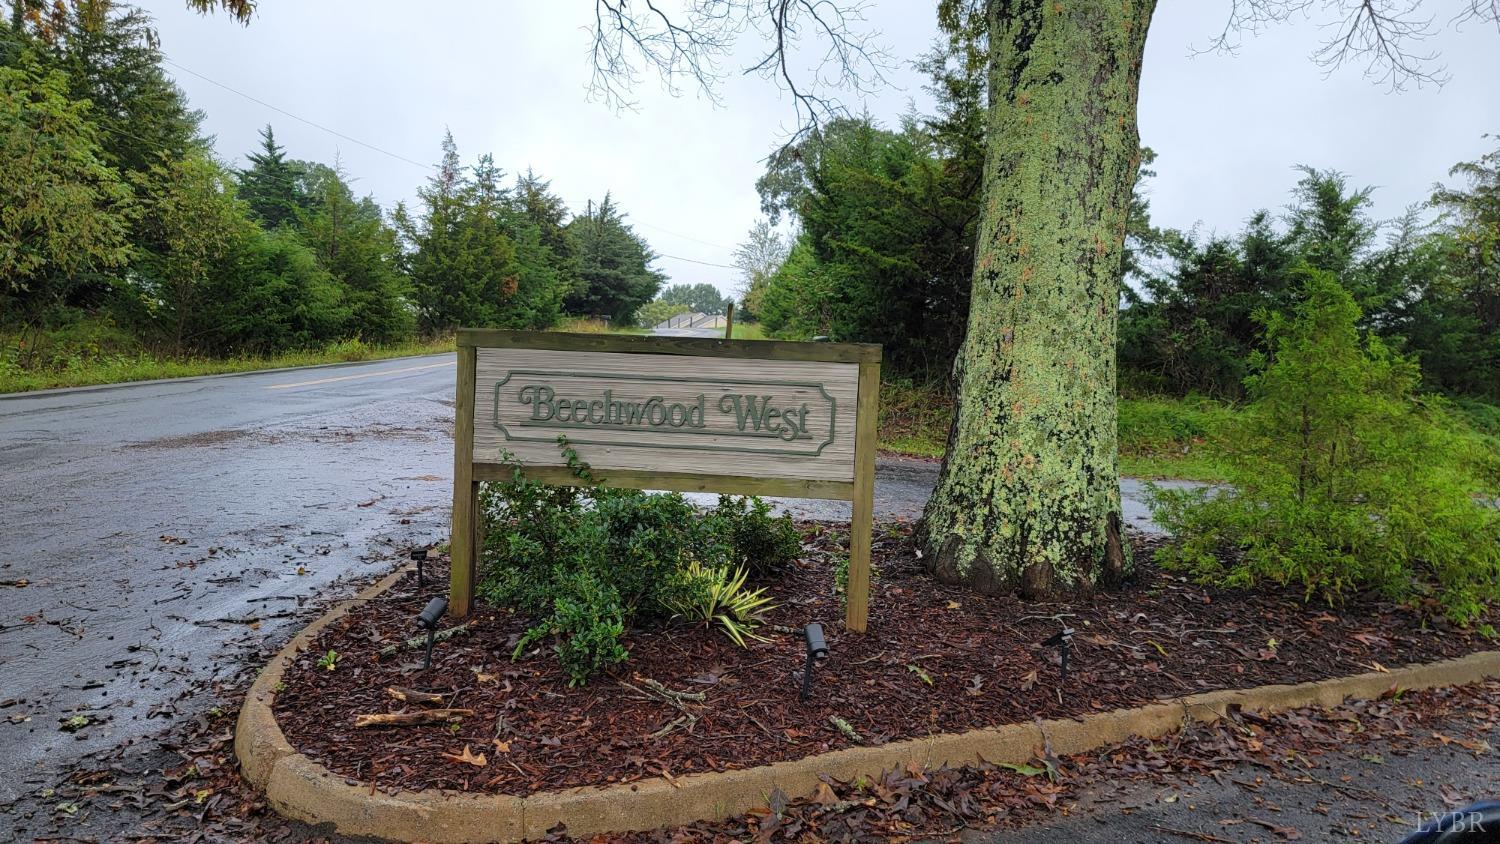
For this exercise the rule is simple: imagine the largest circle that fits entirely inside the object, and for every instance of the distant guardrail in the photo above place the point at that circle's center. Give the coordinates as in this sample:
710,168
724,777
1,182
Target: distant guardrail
695,320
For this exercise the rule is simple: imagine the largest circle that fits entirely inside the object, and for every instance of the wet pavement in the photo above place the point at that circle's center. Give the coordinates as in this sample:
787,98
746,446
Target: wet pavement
154,531
1379,794
162,527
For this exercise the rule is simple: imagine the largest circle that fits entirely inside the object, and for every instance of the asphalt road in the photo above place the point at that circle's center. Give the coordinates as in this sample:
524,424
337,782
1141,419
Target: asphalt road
1386,792
151,530
162,526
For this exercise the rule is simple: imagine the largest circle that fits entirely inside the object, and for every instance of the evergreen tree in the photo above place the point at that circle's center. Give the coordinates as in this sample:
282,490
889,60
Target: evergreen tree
113,59
474,260
614,264
270,296
1459,314
1340,478
890,217
534,199
62,210
192,227
353,243
271,186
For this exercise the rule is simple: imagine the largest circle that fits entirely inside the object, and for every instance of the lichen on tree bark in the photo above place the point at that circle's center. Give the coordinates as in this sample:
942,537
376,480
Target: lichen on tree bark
1028,499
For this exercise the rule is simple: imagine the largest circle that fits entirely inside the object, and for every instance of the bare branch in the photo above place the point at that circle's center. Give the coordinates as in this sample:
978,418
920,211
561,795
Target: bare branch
631,35
1386,36
1484,11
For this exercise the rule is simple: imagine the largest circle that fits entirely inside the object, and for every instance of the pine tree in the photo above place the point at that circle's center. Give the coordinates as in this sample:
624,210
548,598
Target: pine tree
113,59
614,264
352,241
474,260
533,198
271,185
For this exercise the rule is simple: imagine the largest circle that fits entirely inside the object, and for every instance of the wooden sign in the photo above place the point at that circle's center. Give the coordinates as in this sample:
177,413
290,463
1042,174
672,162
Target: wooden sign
745,417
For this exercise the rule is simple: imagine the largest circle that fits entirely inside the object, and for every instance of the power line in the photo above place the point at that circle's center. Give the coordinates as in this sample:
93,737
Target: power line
333,132
414,163
695,261
687,237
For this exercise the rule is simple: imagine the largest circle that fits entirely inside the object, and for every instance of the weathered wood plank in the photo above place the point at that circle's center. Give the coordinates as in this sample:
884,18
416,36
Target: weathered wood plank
862,523
462,543
691,346
527,398
675,482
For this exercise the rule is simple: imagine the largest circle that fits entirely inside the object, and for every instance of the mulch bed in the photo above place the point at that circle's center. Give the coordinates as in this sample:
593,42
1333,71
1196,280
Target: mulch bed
935,659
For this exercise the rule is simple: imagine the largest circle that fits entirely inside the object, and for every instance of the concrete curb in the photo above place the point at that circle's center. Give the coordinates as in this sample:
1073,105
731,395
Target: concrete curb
300,788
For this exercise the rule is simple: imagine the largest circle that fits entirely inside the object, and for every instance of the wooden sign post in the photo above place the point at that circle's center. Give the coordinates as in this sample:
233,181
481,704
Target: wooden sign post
746,417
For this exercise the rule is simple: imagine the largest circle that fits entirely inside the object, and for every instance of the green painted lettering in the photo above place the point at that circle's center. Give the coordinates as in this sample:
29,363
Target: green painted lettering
538,398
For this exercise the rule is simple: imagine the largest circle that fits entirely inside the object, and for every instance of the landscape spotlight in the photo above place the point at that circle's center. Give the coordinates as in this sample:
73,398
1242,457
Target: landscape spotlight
1061,640
817,647
429,621
419,556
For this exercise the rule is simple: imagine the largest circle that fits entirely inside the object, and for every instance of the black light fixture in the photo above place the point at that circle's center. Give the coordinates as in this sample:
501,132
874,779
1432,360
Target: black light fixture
428,620
1061,640
817,647
419,556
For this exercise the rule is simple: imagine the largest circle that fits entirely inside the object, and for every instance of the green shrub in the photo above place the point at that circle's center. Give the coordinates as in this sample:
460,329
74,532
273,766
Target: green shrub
585,563
1340,479
757,542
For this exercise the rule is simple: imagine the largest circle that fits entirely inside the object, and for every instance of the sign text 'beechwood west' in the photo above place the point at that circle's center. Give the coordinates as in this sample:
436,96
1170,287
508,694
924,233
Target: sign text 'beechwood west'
744,417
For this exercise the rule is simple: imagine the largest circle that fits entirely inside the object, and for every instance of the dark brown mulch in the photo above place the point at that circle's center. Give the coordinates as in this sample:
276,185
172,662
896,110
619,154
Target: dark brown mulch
935,659
937,804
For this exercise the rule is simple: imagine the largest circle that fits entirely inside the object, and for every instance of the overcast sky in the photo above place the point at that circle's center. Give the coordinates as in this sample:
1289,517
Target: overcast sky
508,77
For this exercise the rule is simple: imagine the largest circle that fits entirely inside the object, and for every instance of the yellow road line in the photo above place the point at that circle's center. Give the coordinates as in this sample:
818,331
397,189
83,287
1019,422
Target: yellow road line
361,375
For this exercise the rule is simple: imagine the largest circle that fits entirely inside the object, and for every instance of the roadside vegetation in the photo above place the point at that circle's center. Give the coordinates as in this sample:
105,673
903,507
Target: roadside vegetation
130,250
1180,437
1338,479
108,357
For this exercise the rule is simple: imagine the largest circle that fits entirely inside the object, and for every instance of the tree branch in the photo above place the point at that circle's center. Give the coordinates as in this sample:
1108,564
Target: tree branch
629,35
1385,35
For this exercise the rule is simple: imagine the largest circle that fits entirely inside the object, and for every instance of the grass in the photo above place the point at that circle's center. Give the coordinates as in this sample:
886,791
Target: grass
582,325
105,362
1159,437
93,351
1169,437
748,331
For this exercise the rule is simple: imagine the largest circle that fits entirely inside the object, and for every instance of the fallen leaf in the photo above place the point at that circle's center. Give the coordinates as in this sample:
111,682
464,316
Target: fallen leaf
467,757
1286,832
1378,667
501,746
953,605
1028,681
824,795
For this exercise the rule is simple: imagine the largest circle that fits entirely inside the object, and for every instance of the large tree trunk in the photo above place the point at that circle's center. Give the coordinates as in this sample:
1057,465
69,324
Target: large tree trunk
1028,500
